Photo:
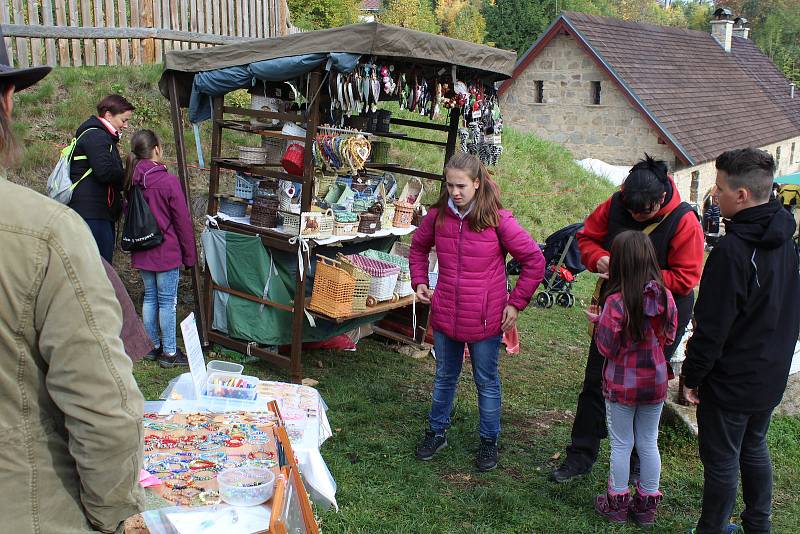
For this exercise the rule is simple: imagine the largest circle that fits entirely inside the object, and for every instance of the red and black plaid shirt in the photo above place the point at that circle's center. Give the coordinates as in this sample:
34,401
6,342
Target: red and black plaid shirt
636,372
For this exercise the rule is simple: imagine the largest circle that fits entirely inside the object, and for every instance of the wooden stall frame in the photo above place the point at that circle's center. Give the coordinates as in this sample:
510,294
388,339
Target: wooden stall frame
278,240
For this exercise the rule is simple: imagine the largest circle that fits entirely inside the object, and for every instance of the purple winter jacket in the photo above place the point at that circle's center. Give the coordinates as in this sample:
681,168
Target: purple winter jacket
470,294
164,195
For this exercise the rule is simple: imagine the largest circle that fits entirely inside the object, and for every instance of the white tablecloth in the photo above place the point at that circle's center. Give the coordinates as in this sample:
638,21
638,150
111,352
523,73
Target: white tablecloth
303,412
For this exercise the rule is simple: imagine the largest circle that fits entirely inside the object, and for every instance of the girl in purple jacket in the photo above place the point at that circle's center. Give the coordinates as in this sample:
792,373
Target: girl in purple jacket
160,266
471,305
637,319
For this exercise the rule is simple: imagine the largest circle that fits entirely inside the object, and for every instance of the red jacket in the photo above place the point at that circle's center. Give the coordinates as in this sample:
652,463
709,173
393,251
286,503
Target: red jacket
636,372
470,293
685,255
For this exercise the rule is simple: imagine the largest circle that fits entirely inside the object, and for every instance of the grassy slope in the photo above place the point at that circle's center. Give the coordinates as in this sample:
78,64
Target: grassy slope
379,399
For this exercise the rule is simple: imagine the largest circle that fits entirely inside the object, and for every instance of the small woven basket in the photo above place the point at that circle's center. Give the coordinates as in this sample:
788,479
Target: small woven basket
232,206
323,183
403,286
403,214
333,289
274,148
265,205
362,279
326,225
291,222
384,276
368,223
252,155
264,103
343,229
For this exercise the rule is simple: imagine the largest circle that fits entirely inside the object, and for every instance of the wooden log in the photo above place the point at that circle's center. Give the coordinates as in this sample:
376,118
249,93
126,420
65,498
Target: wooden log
136,21
63,44
22,44
68,32
5,16
49,44
101,45
122,22
89,48
110,22
37,45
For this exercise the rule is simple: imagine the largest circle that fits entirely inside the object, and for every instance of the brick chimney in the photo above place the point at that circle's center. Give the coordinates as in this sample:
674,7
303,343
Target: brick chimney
722,27
740,28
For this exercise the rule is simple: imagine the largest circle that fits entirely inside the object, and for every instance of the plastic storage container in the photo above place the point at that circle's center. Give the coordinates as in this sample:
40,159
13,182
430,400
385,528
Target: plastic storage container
230,386
218,366
246,486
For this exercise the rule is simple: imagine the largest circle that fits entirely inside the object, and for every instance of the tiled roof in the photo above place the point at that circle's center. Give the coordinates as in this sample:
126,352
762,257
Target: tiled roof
707,100
371,5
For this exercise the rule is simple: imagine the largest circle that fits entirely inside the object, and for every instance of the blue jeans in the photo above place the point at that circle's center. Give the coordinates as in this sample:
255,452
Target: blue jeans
449,359
158,309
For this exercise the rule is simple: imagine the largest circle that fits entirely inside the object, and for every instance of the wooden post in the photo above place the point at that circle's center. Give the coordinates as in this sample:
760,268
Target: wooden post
148,45
136,22
77,60
312,121
180,151
36,44
99,20
63,44
22,44
111,23
47,20
122,22
6,19
89,47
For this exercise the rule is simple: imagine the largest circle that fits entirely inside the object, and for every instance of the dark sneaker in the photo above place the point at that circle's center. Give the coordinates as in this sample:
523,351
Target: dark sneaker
168,361
486,459
153,354
569,470
430,445
613,507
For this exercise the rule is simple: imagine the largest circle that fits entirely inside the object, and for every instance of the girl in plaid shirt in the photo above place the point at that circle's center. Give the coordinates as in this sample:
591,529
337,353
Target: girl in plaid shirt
636,319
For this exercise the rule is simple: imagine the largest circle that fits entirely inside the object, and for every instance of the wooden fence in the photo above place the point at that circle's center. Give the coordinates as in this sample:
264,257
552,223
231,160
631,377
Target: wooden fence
130,32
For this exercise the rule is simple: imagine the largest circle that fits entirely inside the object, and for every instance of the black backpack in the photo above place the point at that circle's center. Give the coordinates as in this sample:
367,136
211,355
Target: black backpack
140,231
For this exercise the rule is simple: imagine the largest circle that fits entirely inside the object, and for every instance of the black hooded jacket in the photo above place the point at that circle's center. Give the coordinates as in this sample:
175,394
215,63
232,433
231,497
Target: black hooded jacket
98,195
748,313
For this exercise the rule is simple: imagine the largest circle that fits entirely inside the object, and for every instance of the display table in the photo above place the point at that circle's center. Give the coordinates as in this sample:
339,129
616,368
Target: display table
304,416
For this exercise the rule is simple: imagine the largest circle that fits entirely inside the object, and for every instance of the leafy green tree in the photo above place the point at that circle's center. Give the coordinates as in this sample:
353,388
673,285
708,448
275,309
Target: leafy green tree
461,19
414,14
321,14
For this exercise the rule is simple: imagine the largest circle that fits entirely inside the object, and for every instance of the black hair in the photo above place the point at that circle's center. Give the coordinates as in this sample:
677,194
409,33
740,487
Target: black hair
645,185
114,104
748,168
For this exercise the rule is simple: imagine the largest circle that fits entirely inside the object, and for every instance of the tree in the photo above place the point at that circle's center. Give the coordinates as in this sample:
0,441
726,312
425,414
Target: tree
413,14
321,14
461,19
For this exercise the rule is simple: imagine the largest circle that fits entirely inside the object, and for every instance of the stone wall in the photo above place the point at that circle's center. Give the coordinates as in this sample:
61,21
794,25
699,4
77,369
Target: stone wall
612,131
787,164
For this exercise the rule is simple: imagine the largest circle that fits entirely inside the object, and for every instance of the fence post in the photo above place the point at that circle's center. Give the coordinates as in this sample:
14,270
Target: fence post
149,44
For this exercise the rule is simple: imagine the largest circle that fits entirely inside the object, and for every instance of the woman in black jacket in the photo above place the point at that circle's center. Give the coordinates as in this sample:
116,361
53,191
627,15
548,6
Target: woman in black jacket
98,170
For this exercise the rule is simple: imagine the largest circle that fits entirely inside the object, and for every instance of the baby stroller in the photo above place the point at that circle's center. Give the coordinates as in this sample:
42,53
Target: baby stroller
563,259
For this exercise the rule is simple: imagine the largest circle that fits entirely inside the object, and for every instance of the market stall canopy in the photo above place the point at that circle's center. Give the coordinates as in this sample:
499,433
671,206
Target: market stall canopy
372,39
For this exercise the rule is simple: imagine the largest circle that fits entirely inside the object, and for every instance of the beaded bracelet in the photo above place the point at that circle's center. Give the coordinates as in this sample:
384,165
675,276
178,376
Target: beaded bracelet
198,477
178,483
209,497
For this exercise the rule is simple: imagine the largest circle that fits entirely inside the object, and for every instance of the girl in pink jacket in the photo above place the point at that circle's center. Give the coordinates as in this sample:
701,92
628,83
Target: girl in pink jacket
472,235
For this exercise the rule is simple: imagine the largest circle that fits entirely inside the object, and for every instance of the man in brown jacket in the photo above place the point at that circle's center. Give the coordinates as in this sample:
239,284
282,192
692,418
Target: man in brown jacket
70,411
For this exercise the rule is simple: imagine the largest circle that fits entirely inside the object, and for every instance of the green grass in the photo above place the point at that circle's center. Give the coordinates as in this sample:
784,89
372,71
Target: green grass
379,399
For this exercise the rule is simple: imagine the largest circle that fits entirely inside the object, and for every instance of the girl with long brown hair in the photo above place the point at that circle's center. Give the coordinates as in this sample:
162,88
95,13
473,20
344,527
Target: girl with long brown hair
471,305
637,319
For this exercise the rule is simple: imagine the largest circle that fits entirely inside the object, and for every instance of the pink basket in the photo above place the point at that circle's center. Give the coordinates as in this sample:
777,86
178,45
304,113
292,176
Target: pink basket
374,267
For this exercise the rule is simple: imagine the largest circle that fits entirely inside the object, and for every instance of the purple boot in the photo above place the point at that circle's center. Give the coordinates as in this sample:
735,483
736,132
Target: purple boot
643,507
613,506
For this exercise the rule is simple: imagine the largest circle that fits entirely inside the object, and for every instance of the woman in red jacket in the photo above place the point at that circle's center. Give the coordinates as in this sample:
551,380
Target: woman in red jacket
648,201
472,234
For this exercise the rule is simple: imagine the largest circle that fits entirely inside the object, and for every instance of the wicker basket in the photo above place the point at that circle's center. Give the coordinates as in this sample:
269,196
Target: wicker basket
412,192
368,223
252,155
362,279
274,148
346,223
288,203
244,186
264,103
232,206
333,289
403,213
323,183
291,222
403,287
265,205
384,277
326,225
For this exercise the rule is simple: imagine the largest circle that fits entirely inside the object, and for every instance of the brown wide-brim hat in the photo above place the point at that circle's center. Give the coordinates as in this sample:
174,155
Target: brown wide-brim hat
20,78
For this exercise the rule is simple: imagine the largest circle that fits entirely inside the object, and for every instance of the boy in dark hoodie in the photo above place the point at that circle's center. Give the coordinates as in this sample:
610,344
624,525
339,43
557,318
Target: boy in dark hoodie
738,359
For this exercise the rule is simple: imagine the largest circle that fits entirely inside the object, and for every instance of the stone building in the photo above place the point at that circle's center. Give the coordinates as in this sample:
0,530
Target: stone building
612,90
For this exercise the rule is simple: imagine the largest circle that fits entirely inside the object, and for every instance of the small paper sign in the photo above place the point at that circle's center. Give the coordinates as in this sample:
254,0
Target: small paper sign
194,352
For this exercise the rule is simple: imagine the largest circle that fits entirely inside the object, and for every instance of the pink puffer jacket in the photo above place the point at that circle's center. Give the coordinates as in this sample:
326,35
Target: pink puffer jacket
470,292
